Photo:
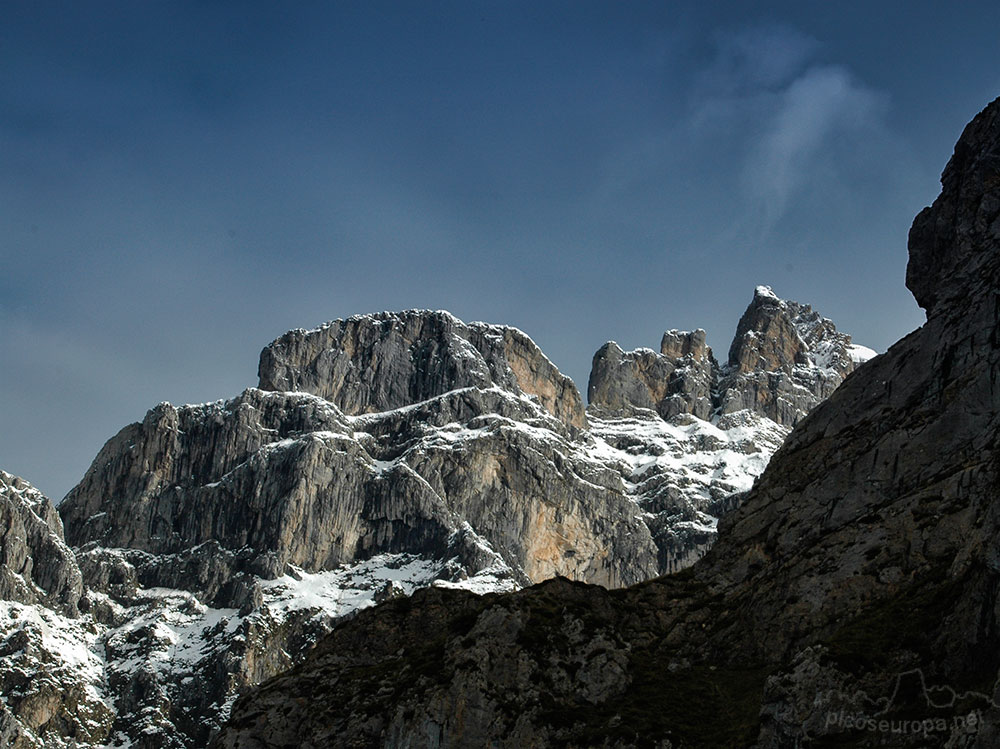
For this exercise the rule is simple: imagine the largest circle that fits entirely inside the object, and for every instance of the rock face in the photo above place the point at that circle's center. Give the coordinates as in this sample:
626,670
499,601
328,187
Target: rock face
375,363
298,482
850,600
147,487
677,380
36,566
695,434
784,360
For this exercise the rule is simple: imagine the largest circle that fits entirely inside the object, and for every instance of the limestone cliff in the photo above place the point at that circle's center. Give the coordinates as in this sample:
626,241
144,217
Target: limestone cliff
36,566
374,363
288,479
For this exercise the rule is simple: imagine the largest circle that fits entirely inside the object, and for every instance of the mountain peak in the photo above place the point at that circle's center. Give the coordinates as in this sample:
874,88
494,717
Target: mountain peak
784,359
765,293
374,363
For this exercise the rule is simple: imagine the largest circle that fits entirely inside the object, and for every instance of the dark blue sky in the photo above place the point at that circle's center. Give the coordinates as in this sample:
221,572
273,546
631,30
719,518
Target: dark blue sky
182,182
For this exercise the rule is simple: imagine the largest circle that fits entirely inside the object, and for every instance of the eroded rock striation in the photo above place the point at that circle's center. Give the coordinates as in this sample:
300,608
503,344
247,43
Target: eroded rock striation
853,590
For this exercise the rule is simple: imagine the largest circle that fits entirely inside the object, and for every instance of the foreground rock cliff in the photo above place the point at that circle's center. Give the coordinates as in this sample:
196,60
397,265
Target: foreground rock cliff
851,599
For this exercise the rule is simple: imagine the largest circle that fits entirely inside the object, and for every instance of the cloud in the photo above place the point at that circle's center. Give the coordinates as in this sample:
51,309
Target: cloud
795,124
761,57
817,117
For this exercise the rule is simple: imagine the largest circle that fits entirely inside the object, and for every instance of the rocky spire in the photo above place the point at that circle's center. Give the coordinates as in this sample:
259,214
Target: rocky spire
784,359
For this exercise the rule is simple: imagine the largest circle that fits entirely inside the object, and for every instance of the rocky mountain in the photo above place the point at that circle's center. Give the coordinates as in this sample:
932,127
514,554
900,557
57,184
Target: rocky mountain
694,434
209,546
213,544
851,599
784,359
217,542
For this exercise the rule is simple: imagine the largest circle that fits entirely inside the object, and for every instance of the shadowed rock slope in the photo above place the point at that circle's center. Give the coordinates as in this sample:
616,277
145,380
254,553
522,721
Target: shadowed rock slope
850,601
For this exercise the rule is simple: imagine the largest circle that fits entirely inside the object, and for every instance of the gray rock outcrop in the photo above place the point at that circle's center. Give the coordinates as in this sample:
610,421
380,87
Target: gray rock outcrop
784,360
36,566
375,363
677,380
858,578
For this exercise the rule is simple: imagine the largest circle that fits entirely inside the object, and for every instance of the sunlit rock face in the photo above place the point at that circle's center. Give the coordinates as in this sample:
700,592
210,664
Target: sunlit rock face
375,363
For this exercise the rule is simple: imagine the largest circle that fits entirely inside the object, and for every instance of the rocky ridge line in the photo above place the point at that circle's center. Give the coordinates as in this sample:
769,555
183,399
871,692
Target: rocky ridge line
784,359
693,434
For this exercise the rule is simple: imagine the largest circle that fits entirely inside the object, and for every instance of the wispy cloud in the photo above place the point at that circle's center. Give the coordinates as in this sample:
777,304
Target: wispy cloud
816,119
757,58
796,122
